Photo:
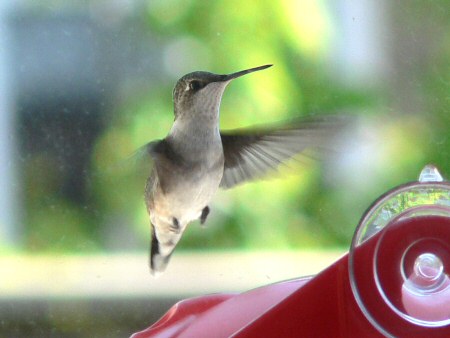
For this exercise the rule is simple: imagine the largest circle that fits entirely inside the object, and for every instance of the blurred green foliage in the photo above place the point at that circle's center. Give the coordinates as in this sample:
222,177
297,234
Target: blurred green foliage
296,211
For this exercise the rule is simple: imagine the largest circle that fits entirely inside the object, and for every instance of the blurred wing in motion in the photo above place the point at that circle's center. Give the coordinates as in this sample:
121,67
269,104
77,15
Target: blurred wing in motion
147,157
145,153
252,153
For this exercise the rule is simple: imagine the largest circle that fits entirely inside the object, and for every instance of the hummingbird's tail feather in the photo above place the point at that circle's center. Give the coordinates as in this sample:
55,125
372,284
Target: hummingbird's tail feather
158,263
162,249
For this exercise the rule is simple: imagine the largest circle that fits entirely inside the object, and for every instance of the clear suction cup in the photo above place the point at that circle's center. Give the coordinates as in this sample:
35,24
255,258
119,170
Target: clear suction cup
399,261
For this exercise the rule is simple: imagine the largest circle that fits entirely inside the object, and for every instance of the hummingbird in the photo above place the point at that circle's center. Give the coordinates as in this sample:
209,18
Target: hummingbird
196,158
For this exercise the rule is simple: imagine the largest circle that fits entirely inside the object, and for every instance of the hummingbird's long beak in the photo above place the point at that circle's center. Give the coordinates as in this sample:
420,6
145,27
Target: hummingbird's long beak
243,72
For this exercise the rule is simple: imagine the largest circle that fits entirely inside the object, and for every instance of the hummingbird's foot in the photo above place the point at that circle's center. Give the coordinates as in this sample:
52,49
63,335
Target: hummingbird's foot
175,227
204,215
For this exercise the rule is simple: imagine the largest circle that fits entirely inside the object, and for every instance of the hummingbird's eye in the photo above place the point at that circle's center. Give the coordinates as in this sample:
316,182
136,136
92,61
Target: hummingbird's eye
196,85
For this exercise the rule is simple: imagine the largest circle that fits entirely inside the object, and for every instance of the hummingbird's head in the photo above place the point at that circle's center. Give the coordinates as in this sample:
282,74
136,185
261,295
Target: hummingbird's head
200,92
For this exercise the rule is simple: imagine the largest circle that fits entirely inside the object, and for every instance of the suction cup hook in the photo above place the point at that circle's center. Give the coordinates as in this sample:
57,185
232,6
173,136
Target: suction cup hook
399,261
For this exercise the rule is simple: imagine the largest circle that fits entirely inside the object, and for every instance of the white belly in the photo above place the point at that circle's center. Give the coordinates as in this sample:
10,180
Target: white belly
195,185
186,200
191,196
